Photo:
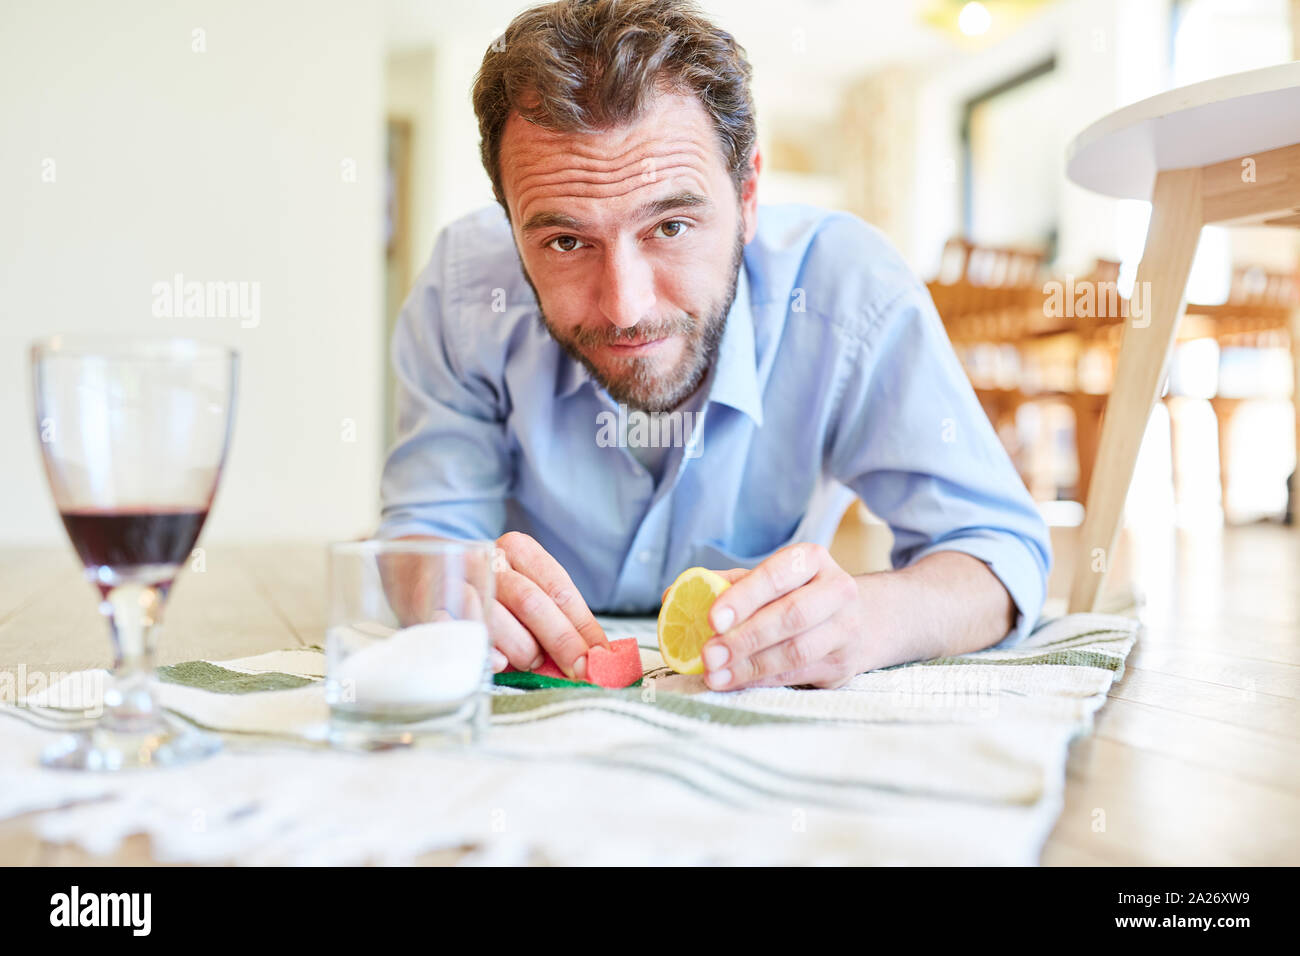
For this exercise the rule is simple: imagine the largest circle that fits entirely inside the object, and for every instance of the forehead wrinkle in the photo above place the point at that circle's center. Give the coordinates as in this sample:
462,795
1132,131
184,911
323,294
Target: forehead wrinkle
564,178
590,163
543,170
586,189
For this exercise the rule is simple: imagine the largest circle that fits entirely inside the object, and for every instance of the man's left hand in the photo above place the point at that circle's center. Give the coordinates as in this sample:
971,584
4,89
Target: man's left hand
796,618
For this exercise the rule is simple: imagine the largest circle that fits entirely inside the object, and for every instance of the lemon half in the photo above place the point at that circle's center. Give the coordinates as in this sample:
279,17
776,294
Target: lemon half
684,618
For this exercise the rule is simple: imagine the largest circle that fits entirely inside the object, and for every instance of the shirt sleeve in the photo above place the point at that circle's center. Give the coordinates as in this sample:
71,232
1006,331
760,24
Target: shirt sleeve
916,446
449,472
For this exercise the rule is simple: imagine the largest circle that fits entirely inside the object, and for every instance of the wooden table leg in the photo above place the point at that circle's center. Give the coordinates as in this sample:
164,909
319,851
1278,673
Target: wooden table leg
1173,408
1225,410
1176,219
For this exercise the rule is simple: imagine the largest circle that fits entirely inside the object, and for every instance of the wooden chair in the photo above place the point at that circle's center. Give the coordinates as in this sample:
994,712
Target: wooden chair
988,298
1257,314
1098,339
1037,356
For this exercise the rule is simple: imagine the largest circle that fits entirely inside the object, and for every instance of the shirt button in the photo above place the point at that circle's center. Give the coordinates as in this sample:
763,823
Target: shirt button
644,557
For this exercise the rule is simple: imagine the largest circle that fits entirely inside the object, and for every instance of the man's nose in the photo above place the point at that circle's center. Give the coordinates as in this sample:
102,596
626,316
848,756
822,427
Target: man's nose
627,290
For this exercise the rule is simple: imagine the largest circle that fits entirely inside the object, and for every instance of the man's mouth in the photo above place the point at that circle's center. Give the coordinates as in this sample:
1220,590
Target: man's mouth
636,348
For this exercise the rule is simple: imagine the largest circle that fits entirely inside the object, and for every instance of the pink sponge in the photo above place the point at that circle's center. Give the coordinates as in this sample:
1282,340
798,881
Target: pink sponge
615,666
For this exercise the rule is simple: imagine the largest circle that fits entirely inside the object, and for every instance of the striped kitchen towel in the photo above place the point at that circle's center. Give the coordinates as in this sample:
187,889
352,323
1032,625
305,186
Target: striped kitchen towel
958,760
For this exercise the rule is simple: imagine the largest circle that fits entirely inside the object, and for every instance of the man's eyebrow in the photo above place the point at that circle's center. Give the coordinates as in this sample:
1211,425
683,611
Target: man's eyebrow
682,200
656,207
547,220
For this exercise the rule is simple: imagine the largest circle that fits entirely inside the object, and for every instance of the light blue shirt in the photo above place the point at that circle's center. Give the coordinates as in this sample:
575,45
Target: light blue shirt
834,378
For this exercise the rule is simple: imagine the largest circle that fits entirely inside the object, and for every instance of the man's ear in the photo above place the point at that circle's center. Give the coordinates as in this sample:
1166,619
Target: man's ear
749,195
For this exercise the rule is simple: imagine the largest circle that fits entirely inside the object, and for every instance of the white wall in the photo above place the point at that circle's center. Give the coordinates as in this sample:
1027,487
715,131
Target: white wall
460,184
1091,53
227,164
410,93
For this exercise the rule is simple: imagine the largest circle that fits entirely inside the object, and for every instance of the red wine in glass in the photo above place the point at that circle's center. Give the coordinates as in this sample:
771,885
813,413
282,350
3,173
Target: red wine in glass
153,541
133,437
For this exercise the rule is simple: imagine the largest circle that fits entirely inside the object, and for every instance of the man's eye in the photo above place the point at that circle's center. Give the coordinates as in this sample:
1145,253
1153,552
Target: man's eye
672,228
565,244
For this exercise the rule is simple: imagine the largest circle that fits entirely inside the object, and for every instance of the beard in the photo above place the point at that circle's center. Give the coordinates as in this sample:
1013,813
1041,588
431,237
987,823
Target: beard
639,384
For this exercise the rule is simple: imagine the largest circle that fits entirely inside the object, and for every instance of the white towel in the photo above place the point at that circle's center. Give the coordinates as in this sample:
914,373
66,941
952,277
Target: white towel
955,761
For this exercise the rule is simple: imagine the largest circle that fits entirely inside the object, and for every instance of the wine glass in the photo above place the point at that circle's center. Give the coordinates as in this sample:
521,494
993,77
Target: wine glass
133,435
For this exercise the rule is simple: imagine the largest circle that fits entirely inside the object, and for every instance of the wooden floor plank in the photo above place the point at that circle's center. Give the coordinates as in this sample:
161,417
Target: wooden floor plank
1133,807
133,851
292,579
1241,706
1266,642
27,573
218,612
214,610
19,846
1234,752
1216,667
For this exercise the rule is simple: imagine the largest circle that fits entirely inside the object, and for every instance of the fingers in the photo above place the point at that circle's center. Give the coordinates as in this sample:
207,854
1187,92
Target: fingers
544,600
543,620
513,641
412,586
784,635
808,658
512,644
537,609
529,558
779,574
507,633
826,674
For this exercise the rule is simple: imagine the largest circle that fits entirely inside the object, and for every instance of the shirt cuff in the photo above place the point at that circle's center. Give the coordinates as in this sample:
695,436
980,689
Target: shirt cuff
1009,558
405,525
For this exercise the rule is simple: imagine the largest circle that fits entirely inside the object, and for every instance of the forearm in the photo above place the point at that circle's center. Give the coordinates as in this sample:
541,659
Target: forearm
947,603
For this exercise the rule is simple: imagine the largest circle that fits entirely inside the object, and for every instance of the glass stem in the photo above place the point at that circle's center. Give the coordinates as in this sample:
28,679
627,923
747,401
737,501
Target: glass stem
132,610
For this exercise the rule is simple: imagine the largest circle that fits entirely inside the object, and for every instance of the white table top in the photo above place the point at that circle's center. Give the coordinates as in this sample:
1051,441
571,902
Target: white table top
1195,125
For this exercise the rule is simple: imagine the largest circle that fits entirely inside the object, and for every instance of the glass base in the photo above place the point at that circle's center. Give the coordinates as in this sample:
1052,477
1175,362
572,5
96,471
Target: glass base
111,750
454,725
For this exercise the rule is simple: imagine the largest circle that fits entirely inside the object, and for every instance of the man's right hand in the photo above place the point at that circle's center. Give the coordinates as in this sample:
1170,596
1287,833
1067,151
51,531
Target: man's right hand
538,609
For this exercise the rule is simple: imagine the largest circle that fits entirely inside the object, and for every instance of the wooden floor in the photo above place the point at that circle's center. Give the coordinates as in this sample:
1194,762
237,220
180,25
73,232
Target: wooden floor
1195,759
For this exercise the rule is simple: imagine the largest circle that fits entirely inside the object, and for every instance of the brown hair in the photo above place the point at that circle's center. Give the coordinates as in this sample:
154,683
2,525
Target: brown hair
587,65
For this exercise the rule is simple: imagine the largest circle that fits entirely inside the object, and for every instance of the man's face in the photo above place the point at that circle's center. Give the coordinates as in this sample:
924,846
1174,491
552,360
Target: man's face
631,239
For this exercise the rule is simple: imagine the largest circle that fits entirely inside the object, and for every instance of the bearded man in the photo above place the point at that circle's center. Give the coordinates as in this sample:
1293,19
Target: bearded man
628,274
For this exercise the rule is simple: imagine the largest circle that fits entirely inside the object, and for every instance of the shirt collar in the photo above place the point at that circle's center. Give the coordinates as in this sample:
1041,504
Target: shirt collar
735,372
734,378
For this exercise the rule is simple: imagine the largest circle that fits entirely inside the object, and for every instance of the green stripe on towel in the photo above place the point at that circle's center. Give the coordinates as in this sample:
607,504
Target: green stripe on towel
681,705
205,675
1073,658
